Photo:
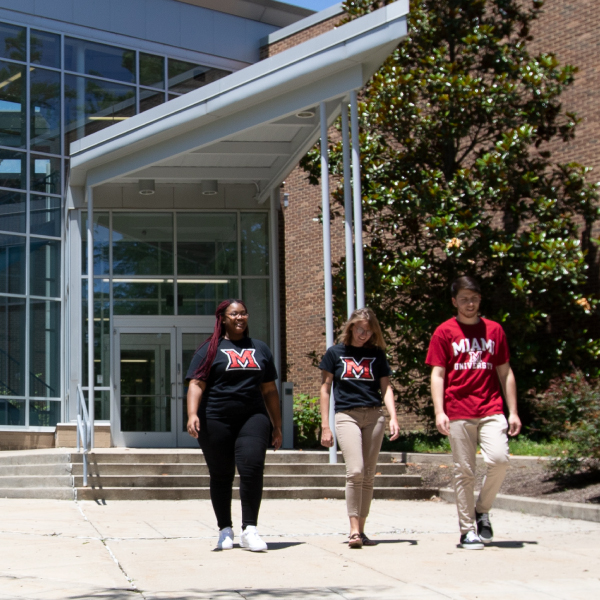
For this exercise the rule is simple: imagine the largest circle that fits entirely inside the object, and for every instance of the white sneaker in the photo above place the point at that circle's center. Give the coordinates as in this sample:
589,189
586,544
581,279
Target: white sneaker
251,540
225,539
471,541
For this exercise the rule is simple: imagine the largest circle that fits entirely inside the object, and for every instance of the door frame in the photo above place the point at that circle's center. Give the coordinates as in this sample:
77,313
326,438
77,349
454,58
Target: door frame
176,327
141,439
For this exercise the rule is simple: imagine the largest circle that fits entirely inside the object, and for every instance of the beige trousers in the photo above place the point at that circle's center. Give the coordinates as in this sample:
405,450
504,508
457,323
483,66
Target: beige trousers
359,433
490,432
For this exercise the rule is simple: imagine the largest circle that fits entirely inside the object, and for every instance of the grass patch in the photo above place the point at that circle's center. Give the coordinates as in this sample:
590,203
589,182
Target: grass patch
523,446
414,441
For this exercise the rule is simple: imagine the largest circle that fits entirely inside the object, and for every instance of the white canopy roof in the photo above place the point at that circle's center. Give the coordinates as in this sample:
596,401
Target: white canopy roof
251,126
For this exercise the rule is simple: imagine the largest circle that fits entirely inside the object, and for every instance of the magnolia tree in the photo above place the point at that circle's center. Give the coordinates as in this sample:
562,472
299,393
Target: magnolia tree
458,178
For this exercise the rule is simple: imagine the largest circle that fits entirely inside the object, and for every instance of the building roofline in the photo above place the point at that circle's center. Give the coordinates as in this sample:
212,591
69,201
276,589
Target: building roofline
305,23
270,12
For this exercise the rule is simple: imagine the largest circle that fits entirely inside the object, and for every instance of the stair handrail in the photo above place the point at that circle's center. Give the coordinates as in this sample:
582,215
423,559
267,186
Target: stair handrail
84,430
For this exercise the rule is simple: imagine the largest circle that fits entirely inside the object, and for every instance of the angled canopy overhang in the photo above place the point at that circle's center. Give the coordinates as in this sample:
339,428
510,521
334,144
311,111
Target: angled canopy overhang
250,127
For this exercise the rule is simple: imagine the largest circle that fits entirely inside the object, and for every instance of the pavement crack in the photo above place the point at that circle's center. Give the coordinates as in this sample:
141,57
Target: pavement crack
103,541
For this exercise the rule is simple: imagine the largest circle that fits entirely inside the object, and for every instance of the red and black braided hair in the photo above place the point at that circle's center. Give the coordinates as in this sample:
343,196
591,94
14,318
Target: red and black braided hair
213,341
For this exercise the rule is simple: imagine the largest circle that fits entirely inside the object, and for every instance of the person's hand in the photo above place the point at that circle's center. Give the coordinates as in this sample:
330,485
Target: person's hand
442,422
326,437
394,430
514,425
276,438
193,426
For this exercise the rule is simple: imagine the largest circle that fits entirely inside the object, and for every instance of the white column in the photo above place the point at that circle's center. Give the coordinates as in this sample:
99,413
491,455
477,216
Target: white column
90,300
348,210
327,261
357,193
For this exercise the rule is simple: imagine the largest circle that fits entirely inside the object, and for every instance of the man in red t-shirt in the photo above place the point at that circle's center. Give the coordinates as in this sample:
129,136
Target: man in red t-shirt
469,359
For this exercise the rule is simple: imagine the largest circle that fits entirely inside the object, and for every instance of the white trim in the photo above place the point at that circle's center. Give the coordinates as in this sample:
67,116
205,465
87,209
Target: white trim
311,21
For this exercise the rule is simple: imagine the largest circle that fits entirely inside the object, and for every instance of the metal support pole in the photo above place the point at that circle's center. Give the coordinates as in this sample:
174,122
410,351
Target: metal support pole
327,261
90,300
357,193
348,210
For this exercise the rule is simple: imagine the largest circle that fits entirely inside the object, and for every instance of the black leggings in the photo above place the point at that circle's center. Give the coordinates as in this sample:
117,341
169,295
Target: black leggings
227,443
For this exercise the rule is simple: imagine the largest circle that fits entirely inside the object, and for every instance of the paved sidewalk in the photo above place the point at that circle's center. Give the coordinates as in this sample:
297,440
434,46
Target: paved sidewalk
164,550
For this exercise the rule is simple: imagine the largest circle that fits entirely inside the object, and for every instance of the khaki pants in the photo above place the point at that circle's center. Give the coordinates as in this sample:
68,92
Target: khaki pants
359,433
464,435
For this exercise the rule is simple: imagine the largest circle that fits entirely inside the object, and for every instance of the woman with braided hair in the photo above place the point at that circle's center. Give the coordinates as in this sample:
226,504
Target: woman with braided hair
231,397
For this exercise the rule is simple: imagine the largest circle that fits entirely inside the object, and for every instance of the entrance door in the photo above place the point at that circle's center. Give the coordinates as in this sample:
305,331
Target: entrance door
151,406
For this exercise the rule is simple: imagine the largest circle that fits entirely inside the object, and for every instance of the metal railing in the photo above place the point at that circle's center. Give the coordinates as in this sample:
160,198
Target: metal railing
84,431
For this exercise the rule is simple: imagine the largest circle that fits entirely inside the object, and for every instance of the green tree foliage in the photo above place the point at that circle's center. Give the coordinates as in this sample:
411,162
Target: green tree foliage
458,178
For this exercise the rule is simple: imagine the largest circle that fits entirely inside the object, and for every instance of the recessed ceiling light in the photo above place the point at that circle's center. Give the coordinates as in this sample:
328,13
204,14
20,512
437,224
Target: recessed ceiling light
305,114
146,187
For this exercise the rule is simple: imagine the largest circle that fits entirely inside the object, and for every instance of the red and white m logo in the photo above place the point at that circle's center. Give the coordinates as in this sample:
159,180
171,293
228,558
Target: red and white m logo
241,360
358,370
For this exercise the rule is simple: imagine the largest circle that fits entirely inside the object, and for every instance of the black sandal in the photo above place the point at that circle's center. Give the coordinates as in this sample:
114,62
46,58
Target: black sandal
366,541
355,541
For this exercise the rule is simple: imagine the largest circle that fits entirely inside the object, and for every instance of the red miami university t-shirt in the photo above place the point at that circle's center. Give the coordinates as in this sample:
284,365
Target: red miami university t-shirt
470,355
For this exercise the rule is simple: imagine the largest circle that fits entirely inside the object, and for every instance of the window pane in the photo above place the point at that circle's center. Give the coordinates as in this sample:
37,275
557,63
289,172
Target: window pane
202,298
101,332
255,244
99,60
102,405
12,105
101,243
45,215
255,293
150,99
45,174
92,105
12,42
12,412
44,413
12,353
185,77
45,267
45,111
45,48
12,264
12,169
146,297
12,211
207,244
143,244
44,349
152,70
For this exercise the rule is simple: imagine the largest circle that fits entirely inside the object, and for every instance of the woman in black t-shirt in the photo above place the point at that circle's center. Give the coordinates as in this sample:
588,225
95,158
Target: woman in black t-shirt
231,396
361,373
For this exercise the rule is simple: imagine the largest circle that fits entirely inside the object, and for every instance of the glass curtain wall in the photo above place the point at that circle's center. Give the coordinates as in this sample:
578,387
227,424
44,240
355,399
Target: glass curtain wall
171,264
55,89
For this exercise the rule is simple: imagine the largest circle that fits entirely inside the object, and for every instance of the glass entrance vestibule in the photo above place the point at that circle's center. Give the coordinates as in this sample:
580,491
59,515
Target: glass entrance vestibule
158,277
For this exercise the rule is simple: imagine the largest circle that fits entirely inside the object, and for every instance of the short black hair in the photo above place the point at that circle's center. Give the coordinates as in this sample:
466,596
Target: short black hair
464,283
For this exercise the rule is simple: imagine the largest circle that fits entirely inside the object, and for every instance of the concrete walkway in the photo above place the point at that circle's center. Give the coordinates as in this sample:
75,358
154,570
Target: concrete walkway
53,549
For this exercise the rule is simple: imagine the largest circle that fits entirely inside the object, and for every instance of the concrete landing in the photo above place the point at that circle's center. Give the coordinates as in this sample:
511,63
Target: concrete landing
155,550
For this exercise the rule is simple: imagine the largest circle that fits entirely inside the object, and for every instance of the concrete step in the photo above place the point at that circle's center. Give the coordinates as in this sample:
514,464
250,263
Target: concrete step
129,481
27,457
203,493
48,469
37,481
176,456
39,493
191,469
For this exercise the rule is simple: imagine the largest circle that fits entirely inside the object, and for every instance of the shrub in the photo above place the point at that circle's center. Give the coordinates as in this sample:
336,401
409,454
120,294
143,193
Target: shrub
307,421
570,410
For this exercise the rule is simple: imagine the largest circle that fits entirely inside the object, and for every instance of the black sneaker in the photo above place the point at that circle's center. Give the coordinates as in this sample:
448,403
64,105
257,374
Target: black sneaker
470,541
484,527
